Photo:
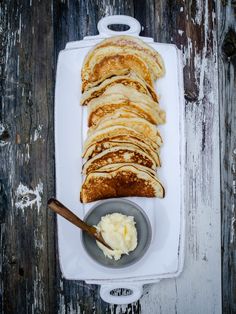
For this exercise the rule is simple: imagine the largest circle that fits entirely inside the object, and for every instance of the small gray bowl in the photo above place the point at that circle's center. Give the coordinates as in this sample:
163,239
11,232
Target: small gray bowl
144,232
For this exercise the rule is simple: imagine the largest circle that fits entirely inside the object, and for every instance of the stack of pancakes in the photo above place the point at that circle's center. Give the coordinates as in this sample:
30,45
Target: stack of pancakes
122,145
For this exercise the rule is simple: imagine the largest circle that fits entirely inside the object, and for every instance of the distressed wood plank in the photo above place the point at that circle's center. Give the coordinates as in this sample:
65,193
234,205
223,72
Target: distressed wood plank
227,88
27,166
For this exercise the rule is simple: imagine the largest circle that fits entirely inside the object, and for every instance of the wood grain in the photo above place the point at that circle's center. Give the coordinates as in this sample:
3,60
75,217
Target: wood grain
227,88
27,165
31,35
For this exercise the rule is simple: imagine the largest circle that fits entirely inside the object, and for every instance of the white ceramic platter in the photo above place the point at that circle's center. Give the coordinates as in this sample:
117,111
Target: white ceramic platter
165,256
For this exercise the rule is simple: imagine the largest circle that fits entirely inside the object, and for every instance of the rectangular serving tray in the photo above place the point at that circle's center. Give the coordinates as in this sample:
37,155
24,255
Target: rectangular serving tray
165,256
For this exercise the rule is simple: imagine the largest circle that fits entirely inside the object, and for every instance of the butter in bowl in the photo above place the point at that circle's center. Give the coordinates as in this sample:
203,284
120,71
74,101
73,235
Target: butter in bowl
124,226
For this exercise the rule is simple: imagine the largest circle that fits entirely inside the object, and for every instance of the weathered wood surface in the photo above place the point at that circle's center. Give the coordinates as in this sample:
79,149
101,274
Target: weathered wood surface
32,33
227,88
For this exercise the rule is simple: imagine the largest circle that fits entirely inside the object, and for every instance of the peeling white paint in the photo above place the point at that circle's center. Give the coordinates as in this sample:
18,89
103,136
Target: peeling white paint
203,63
2,128
18,66
109,10
232,229
38,240
19,30
37,133
213,14
27,154
199,12
180,32
26,197
39,295
62,306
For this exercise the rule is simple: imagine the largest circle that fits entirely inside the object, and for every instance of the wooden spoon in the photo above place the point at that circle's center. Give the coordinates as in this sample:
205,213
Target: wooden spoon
63,211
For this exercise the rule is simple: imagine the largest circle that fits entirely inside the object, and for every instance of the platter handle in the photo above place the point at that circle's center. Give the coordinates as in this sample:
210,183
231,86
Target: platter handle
136,293
103,24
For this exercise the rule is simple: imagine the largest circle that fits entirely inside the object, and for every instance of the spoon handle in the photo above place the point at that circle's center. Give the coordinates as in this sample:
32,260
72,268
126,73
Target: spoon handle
63,211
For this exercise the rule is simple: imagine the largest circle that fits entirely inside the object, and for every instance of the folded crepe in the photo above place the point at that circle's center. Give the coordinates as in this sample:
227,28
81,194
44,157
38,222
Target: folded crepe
130,142
120,180
112,167
138,124
117,56
131,80
117,113
116,131
139,47
132,94
119,154
113,63
104,105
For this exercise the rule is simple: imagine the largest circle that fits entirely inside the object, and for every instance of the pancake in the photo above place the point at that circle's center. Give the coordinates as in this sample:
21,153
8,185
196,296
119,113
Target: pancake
132,94
112,167
138,124
107,104
99,147
120,181
119,154
139,47
130,80
112,63
118,113
115,131
117,56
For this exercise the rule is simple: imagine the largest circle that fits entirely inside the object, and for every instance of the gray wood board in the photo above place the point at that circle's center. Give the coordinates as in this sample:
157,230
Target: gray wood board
31,34
227,93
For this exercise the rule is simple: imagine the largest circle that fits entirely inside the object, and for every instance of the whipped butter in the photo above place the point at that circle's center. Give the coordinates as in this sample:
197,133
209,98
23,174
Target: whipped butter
119,232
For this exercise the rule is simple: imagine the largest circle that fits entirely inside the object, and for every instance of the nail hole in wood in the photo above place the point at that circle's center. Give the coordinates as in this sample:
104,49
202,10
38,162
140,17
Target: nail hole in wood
21,271
4,136
229,44
191,96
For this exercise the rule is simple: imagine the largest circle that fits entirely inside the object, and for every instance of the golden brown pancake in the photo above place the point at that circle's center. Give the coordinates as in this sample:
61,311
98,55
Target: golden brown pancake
119,154
138,124
118,113
99,147
117,56
130,80
116,131
120,181
112,167
132,94
113,63
104,105
139,47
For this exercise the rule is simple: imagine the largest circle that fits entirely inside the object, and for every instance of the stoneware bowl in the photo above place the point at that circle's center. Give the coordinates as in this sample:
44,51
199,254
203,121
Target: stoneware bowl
125,207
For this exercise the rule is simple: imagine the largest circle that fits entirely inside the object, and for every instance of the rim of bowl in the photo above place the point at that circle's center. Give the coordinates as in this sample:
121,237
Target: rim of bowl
145,217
